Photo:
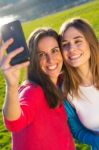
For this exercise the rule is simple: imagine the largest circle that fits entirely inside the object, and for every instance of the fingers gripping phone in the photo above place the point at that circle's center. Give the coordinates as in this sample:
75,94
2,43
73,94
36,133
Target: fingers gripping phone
14,30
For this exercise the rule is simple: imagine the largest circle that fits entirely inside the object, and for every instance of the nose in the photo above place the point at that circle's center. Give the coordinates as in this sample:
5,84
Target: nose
72,47
50,58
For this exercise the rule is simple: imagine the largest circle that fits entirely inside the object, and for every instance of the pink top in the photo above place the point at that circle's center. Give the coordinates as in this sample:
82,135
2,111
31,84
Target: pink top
39,126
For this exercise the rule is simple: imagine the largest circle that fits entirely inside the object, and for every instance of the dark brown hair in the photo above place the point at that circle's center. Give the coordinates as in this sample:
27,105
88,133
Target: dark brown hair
72,77
35,73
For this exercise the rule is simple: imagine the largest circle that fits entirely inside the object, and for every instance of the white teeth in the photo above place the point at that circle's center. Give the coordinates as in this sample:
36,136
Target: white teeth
75,57
52,67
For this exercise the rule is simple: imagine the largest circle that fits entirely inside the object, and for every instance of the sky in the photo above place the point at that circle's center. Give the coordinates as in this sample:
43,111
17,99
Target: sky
25,10
16,9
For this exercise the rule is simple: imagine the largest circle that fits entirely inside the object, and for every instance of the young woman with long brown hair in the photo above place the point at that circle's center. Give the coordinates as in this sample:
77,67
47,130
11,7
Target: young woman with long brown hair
80,49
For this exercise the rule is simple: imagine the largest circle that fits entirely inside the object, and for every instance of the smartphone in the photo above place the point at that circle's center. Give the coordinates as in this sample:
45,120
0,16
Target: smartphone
14,30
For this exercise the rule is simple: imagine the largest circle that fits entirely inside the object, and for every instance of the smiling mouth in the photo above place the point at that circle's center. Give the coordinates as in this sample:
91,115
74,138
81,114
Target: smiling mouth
53,67
75,57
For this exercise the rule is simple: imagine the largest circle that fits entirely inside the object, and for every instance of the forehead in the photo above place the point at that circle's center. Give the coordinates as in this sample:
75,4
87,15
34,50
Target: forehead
47,43
72,32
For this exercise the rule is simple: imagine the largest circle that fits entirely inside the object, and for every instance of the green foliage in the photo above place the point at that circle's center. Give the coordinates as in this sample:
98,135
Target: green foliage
88,11
80,146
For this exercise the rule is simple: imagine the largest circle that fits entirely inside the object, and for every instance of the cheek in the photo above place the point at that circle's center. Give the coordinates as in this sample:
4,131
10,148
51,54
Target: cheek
65,54
60,58
42,64
87,52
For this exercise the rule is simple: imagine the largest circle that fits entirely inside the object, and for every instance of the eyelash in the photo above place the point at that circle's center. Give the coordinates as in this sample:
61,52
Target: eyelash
55,50
65,45
78,41
41,55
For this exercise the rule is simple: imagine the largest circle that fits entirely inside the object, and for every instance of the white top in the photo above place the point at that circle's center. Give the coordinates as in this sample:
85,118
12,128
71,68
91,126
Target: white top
87,107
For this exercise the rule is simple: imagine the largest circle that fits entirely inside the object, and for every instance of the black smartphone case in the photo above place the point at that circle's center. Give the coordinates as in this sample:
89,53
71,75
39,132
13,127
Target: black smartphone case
14,30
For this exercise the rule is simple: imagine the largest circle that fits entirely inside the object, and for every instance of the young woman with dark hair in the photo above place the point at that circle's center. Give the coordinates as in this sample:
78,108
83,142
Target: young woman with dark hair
35,112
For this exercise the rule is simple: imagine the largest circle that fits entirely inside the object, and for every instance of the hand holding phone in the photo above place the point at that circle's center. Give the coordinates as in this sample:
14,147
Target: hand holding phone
14,30
11,73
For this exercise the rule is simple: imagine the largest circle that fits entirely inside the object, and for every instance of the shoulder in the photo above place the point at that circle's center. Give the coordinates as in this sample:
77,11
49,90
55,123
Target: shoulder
30,89
69,109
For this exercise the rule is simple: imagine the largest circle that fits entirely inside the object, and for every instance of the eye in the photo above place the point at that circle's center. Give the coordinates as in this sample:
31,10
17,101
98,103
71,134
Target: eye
65,46
42,55
78,41
55,50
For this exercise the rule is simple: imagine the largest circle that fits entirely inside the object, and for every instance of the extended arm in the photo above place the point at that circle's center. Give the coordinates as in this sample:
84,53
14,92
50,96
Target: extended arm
11,107
78,130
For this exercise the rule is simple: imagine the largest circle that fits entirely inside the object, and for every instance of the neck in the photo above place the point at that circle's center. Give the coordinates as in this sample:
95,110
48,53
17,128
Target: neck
86,75
54,81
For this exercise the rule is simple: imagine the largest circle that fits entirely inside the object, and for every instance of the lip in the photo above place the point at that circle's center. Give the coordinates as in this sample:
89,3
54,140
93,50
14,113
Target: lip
75,57
52,67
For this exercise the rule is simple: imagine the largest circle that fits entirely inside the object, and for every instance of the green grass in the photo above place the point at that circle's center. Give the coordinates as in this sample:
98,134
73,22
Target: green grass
88,11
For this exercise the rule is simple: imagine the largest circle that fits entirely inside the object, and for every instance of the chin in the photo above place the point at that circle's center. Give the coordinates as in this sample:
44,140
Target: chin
74,64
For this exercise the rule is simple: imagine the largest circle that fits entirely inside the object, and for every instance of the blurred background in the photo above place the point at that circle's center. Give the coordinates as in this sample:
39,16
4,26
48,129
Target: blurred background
26,10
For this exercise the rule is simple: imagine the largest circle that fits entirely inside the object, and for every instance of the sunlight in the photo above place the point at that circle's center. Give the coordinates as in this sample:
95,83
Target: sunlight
7,19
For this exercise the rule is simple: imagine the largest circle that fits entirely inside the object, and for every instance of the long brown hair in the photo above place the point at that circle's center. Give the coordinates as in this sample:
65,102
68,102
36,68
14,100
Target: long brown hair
35,73
72,77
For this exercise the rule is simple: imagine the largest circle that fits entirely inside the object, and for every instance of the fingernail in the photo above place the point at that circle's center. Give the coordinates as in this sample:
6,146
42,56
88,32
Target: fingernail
11,39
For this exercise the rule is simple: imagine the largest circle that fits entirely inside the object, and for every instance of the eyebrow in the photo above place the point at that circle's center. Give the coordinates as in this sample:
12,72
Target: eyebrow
76,37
